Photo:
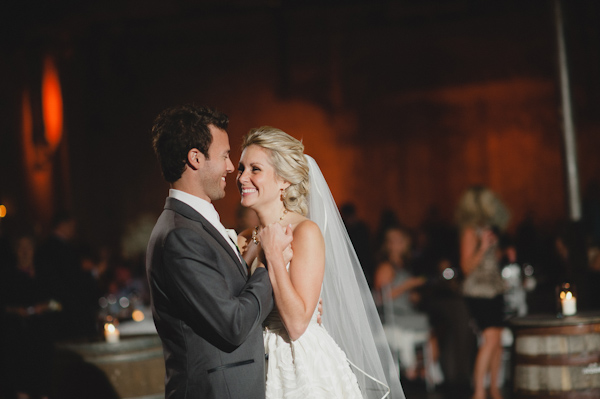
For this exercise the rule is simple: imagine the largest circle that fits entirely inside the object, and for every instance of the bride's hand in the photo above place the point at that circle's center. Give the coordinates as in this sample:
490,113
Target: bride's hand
275,239
288,254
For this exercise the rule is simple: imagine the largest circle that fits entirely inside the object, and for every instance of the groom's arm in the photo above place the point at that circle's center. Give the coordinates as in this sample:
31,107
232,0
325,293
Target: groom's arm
205,298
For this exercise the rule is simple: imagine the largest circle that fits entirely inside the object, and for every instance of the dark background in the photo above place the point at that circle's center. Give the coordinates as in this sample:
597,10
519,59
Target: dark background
404,104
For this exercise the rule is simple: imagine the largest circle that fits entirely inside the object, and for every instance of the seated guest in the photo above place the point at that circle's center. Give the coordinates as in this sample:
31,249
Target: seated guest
395,286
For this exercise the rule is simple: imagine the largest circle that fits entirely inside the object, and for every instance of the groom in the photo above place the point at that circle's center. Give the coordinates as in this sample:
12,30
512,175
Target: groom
207,310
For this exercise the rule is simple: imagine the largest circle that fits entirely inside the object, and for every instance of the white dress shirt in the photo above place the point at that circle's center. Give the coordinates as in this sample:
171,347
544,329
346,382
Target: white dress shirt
209,212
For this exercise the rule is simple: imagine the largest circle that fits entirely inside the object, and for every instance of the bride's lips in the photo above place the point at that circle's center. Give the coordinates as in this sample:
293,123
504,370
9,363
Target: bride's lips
247,191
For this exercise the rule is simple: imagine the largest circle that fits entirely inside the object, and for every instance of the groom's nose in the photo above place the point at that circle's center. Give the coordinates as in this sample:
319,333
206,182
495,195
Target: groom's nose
230,167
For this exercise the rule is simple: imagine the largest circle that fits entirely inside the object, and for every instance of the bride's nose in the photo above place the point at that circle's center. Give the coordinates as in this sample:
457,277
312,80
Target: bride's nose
242,176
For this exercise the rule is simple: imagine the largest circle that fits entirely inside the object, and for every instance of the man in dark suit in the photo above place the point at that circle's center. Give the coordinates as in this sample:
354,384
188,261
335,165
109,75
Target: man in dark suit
208,311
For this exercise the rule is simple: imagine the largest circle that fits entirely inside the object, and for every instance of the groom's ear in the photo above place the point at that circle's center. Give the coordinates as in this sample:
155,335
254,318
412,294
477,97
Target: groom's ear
195,159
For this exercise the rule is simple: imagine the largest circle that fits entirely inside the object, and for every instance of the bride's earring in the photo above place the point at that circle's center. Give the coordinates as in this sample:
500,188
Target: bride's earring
283,194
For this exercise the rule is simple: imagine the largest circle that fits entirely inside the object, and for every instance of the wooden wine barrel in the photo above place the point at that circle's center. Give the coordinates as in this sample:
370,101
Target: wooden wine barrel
556,358
130,369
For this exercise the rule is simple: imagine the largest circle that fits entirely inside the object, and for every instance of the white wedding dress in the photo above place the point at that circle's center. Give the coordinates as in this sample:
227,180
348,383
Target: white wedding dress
314,366
311,367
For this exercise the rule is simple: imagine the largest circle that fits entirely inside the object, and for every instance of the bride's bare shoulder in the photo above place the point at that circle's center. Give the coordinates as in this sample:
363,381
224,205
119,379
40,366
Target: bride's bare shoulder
306,229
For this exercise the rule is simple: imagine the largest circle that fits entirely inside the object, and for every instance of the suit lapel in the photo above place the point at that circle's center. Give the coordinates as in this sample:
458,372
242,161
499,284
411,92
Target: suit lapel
189,212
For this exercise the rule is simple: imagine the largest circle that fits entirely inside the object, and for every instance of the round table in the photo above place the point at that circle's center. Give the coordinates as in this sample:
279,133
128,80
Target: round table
132,368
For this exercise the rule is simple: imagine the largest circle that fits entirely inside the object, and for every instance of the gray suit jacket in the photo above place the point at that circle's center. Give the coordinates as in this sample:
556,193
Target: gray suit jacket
207,311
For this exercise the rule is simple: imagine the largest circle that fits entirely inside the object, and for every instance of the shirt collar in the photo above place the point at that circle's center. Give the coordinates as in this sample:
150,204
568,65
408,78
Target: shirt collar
201,206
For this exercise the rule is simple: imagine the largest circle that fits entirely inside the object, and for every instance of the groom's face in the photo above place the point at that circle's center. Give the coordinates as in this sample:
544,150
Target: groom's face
217,166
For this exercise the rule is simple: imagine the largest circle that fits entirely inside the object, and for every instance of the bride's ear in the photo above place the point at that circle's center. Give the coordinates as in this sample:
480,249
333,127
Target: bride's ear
283,185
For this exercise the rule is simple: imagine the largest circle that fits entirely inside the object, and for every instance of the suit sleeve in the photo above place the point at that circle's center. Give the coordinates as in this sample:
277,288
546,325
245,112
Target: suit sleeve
206,301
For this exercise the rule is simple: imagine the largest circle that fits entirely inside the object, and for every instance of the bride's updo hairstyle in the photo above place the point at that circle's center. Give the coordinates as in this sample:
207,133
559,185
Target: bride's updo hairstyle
287,157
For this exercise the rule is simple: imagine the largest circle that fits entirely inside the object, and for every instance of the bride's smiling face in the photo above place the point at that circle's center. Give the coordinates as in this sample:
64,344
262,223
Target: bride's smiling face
256,179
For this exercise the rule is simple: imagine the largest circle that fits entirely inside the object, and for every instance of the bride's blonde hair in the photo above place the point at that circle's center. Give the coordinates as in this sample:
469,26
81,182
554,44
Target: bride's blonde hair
286,155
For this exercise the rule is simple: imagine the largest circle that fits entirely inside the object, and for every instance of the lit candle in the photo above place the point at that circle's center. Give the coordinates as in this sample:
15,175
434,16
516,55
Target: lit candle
111,333
569,303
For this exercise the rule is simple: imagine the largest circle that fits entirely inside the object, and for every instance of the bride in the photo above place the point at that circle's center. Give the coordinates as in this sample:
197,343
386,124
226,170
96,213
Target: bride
347,355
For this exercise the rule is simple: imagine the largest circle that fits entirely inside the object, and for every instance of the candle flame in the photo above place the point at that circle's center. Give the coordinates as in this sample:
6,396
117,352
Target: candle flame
568,295
109,327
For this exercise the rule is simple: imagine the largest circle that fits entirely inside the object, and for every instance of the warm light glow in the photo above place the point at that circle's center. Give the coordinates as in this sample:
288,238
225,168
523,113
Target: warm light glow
2,211
137,315
562,295
111,334
27,118
52,106
38,171
568,295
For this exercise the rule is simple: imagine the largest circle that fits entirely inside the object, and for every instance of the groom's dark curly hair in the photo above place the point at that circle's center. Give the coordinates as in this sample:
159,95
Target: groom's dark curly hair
177,130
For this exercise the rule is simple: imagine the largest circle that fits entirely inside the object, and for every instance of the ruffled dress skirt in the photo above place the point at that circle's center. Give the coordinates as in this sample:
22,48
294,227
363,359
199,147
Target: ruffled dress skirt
312,367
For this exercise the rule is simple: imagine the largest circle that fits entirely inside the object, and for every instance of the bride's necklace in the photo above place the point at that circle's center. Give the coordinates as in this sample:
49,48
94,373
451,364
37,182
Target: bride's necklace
255,231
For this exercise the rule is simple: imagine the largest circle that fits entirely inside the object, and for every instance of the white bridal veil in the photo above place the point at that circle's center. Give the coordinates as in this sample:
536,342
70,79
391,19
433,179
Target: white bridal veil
349,313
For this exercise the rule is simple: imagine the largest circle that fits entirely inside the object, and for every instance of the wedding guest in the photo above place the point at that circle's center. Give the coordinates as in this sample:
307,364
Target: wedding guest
387,219
594,275
481,216
396,286
361,239
87,290
57,267
27,320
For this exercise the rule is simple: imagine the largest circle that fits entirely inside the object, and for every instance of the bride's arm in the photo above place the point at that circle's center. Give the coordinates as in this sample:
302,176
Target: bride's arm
297,292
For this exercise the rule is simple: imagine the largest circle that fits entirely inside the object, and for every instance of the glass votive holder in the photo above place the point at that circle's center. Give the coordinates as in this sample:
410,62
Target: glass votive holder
566,297
111,333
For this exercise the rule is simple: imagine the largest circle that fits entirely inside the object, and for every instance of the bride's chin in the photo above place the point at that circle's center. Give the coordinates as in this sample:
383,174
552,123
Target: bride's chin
246,204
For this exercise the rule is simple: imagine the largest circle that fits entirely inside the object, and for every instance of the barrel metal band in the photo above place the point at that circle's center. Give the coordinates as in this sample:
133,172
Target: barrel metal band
559,330
574,359
593,393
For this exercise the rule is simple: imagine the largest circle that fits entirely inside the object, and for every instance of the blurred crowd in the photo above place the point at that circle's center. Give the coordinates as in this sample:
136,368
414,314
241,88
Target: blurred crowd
424,281
447,288
57,289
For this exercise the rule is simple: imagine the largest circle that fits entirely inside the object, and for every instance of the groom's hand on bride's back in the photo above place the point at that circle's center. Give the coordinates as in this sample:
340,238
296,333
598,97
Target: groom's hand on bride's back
320,308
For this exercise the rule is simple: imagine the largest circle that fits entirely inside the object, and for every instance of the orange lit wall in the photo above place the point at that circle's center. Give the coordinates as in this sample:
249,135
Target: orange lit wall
52,106
504,134
38,171
39,149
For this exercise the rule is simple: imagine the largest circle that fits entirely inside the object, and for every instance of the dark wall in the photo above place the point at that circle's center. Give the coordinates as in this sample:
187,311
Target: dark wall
404,104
